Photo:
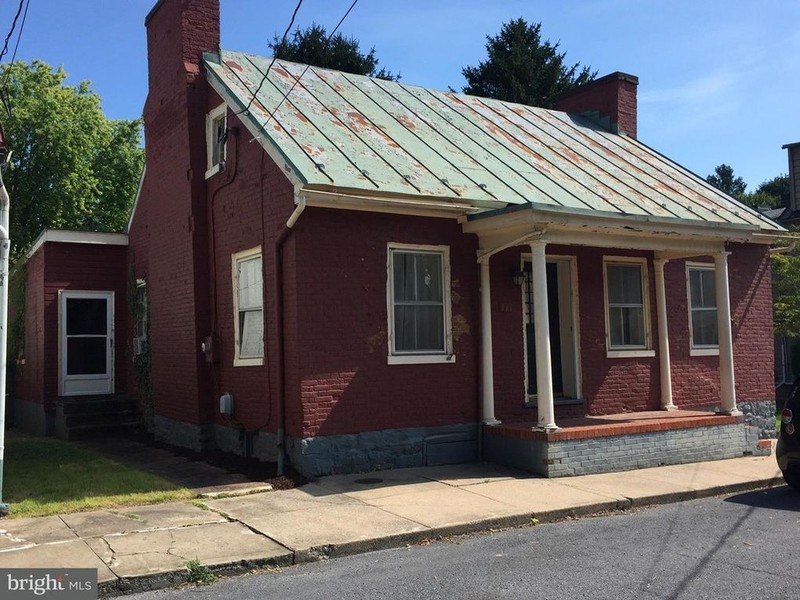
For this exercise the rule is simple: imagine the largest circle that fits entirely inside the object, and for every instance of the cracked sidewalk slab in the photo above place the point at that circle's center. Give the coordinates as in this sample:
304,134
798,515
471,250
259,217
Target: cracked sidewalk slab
20,533
139,518
146,553
72,554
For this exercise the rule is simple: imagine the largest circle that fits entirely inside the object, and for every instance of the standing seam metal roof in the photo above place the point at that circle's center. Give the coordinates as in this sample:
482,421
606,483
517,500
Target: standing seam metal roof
339,131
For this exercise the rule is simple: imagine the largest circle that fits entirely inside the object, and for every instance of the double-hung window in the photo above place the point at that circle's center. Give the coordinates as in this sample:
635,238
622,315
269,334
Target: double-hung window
419,304
248,308
216,138
627,324
702,309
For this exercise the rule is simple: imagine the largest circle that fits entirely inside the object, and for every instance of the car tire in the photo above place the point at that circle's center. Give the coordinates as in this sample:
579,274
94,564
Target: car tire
792,479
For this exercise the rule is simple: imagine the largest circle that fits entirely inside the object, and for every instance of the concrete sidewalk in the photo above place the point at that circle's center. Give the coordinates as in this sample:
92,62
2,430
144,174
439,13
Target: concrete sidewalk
147,547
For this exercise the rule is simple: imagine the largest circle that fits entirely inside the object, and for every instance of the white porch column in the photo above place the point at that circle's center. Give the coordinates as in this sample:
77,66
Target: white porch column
727,384
487,369
541,325
663,336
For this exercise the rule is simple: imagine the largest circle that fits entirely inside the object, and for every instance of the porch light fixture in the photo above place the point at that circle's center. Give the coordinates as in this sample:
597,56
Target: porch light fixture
518,277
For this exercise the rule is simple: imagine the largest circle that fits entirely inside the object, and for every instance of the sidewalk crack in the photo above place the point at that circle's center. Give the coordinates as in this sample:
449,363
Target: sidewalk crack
72,529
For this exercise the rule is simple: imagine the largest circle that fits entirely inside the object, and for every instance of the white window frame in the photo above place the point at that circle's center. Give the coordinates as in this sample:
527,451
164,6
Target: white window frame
699,349
424,357
238,359
212,118
140,326
629,351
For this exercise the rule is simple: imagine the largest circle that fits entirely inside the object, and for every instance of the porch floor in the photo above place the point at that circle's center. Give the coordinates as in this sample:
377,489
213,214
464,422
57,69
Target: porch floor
617,424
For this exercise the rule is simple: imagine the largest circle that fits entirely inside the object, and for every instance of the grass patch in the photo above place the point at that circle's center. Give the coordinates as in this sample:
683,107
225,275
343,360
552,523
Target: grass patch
199,573
47,476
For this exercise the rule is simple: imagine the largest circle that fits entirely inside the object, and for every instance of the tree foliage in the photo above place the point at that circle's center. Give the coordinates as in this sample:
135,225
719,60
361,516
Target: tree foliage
312,47
786,294
71,167
723,179
521,67
778,188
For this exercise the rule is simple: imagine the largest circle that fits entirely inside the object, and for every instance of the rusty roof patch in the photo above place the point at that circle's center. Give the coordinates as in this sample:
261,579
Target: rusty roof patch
356,133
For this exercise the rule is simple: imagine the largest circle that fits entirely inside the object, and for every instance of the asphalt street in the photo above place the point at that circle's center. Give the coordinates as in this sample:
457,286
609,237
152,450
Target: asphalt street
741,546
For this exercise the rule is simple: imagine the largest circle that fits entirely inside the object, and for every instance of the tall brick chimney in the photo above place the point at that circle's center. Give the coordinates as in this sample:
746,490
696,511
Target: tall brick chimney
168,237
612,97
794,177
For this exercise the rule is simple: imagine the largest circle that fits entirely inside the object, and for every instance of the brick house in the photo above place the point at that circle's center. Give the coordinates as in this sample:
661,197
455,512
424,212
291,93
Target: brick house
352,274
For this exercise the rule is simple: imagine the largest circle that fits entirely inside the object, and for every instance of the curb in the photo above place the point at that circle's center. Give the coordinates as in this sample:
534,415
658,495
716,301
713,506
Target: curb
144,583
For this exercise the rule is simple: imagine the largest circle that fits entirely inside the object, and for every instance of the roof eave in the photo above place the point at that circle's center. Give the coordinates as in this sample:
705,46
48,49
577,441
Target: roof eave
511,216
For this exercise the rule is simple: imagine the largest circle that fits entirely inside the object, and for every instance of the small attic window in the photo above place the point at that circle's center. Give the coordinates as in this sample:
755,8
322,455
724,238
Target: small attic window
216,138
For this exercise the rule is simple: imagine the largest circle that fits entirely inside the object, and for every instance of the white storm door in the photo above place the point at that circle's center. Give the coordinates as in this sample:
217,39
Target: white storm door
86,343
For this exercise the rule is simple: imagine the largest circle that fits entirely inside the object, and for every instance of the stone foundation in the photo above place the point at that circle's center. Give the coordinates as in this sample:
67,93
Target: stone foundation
386,449
31,417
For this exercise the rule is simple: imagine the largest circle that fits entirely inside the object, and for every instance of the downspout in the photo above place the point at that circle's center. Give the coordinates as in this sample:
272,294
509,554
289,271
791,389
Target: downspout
784,249
5,245
278,258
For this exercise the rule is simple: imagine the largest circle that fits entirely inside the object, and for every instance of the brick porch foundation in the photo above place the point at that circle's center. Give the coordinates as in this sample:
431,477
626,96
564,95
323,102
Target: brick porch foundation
620,442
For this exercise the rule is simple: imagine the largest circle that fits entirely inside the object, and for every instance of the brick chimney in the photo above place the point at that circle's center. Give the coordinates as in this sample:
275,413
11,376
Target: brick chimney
168,237
794,177
612,97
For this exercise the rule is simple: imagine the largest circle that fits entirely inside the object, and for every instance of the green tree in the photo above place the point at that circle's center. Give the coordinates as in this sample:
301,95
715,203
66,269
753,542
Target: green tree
723,179
778,187
312,47
758,200
71,167
523,68
786,294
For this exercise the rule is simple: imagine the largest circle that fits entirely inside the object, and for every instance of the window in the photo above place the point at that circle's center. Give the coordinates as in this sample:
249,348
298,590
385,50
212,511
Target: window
627,321
702,308
419,304
248,308
140,318
216,136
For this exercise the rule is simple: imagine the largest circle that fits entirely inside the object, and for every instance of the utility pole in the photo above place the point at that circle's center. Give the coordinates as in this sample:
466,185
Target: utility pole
5,248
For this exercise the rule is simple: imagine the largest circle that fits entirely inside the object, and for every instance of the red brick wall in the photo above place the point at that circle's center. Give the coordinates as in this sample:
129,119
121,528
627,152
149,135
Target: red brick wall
77,267
751,314
30,375
168,236
249,204
341,347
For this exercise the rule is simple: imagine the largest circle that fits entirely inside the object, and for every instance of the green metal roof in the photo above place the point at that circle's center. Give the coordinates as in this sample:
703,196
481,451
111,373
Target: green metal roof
346,132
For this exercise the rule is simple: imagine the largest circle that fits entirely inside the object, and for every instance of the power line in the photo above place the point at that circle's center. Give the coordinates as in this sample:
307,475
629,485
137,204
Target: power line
4,97
263,79
296,81
11,31
21,28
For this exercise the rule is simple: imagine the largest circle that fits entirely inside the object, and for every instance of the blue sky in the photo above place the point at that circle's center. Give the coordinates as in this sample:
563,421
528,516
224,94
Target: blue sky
719,81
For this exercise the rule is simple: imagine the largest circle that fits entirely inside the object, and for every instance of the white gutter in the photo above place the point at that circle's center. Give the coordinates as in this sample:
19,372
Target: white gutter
785,249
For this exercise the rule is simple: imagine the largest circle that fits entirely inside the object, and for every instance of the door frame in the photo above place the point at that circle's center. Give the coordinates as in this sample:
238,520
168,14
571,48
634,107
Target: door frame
568,299
103,384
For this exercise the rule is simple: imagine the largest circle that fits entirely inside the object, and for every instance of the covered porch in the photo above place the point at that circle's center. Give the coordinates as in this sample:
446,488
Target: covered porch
594,433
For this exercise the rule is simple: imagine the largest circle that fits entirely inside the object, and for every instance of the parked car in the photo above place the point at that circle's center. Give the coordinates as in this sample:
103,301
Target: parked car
788,448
